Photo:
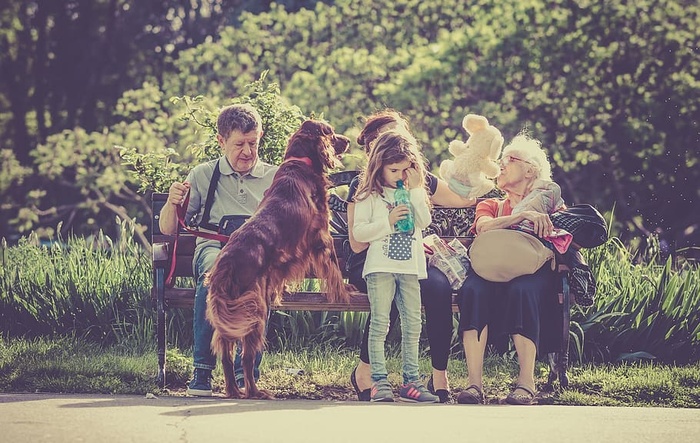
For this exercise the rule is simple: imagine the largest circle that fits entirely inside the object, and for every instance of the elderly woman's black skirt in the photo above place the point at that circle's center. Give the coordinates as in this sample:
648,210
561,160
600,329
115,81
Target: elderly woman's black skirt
527,305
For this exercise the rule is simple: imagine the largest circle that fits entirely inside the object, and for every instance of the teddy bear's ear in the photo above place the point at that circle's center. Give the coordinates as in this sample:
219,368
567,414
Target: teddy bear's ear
473,123
457,147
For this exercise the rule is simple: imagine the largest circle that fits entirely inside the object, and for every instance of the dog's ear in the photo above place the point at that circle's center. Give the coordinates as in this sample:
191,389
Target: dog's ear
335,145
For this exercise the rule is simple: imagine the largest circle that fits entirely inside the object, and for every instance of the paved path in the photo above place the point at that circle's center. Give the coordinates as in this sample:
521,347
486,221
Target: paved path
102,418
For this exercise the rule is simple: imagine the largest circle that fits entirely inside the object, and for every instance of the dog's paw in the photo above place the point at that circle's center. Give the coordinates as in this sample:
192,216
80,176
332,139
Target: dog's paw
234,393
261,394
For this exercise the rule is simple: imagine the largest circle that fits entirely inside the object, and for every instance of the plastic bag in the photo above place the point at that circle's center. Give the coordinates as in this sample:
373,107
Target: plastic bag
450,258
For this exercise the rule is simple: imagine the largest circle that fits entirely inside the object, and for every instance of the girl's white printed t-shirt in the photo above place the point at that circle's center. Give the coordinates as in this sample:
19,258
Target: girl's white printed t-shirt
371,225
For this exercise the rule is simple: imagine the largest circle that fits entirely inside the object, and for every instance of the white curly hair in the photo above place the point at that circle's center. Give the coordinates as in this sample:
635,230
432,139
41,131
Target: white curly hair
530,150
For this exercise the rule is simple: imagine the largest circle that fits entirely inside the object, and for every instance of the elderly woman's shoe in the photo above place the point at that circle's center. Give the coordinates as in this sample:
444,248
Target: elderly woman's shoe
520,395
471,396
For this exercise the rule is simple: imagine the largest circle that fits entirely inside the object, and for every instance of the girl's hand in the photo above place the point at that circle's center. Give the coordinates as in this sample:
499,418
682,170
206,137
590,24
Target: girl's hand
413,179
398,213
542,225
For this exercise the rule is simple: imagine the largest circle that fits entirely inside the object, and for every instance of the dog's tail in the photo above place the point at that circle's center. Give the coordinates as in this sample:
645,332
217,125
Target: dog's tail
235,318
231,312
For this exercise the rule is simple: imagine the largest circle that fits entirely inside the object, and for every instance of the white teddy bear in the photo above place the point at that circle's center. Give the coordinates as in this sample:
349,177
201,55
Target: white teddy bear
474,167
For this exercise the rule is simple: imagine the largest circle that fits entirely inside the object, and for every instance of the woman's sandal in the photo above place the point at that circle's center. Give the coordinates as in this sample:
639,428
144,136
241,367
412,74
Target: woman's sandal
361,395
525,397
471,396
443,394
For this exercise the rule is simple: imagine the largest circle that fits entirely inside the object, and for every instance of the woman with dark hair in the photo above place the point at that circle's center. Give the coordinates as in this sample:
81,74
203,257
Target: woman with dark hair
436,292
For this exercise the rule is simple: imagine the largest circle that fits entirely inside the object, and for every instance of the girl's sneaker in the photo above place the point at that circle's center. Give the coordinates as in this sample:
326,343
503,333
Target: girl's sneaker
417,393
381,392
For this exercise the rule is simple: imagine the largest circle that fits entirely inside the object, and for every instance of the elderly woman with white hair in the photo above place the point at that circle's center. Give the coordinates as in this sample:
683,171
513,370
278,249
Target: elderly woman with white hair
520,307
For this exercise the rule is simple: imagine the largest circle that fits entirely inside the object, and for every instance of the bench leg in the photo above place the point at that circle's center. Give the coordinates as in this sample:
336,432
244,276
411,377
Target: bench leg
160,324
559,361
566,335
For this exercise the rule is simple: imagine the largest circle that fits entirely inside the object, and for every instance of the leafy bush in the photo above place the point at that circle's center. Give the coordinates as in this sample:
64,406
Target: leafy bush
95,288
609,87
99,289
642,311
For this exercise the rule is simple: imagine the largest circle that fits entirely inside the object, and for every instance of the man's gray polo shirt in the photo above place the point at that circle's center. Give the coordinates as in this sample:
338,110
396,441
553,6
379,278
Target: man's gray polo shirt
235,194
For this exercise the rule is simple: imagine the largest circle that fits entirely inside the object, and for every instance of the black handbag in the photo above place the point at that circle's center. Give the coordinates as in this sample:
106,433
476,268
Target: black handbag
584,222
354,262
582,283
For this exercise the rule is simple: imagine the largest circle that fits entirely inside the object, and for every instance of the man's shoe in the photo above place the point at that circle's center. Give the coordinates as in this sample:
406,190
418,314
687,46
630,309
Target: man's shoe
200,385
381,392
415,392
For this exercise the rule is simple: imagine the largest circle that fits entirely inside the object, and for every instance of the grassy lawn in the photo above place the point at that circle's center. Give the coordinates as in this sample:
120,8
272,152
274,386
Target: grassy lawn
73,366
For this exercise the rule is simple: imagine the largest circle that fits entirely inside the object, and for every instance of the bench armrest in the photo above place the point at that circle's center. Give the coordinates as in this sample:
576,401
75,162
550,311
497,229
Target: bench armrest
161,255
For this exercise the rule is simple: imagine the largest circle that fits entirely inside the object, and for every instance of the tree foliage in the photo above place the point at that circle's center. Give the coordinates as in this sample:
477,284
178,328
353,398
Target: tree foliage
113,172
610,88
156,171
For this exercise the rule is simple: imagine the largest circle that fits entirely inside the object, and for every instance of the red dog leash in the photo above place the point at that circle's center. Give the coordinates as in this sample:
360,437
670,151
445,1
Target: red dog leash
181,211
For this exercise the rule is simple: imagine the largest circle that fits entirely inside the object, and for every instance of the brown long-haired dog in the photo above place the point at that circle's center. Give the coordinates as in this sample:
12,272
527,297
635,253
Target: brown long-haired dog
287,237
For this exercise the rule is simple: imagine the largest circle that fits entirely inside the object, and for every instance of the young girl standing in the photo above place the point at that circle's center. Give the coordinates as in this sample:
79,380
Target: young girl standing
395,260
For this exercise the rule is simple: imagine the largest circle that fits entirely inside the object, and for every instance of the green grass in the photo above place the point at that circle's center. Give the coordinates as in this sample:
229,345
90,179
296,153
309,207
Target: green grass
73,366
640,384
70,365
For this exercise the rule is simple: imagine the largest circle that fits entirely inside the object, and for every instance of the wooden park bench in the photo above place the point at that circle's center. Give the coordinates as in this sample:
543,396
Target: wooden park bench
448,223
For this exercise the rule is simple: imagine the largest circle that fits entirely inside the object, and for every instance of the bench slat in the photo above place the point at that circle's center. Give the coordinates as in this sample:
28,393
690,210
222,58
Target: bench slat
179,298
316,301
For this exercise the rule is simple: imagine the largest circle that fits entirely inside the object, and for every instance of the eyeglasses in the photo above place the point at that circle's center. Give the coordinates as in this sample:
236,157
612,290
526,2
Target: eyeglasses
505,161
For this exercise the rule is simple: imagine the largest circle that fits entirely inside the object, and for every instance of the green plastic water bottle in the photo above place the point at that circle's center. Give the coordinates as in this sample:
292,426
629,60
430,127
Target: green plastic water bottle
403,197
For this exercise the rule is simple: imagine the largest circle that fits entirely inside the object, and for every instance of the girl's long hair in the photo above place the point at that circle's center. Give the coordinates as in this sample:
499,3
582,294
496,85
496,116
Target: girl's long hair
390,147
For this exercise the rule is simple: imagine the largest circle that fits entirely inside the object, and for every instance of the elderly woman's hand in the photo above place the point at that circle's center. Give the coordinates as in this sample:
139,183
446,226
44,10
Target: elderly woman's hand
542,225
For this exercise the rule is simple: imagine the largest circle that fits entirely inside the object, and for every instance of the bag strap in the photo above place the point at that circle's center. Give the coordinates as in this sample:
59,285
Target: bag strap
181,210
213,183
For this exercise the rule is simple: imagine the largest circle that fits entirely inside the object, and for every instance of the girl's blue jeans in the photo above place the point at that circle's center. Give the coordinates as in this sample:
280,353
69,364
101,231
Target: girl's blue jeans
382,288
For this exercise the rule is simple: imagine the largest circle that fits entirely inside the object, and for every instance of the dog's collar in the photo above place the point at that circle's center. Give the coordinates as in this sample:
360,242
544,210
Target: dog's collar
306,160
